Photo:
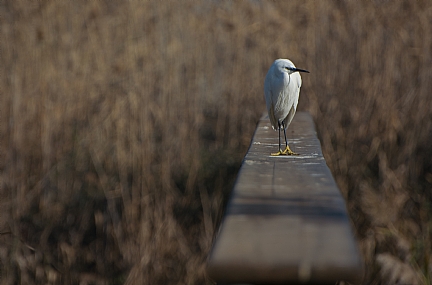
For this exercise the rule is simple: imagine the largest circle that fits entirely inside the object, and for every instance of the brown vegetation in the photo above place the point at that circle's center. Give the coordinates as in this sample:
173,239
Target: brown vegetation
123,124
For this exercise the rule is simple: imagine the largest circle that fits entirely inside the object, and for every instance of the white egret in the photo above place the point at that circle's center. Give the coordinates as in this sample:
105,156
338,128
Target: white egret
281,89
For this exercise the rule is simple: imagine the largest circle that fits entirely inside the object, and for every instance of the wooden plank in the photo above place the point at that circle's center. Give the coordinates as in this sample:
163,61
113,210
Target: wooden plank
286,220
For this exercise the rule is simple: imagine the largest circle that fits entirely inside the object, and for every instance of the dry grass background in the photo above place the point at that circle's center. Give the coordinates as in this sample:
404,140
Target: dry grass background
123,124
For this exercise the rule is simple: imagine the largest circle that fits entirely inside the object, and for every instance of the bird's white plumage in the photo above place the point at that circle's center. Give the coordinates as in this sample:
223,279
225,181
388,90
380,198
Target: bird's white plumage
281,89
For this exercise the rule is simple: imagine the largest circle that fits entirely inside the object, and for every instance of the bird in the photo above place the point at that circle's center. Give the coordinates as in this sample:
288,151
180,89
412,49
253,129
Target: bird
281,91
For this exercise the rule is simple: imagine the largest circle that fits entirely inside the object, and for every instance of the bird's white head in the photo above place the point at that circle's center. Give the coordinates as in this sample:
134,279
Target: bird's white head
286,66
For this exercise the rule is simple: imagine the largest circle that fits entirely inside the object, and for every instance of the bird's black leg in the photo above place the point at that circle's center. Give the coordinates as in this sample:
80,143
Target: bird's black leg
280,149
287,150
286,141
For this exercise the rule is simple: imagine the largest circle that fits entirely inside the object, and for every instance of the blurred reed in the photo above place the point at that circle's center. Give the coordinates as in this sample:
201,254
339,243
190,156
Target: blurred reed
124,123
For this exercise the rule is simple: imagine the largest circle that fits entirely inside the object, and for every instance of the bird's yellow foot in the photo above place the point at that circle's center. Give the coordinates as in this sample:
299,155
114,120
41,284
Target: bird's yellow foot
280,152
288,151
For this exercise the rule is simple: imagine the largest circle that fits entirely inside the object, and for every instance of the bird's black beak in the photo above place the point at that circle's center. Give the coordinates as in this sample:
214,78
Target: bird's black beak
301,70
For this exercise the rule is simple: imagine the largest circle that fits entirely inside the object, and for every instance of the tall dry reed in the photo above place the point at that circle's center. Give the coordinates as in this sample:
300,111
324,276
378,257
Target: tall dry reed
123,124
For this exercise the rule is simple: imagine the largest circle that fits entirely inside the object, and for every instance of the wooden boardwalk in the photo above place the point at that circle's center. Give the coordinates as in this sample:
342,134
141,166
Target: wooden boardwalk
286,221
